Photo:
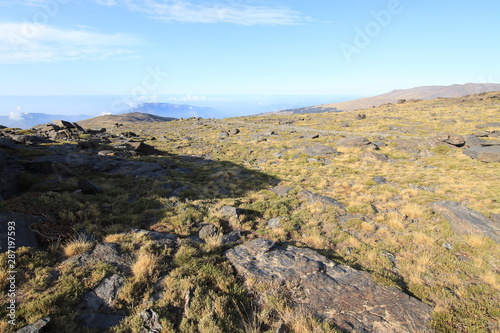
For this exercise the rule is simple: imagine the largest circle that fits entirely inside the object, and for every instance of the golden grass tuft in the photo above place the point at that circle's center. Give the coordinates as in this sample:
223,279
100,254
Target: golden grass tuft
145,267
114,238
77,246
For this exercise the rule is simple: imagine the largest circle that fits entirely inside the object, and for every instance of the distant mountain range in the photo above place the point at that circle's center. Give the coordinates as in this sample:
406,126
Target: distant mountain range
175,110
28,120
162,111
131,117
425,93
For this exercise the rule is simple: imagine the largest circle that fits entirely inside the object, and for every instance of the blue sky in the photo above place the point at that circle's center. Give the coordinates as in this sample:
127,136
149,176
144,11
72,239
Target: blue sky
134,47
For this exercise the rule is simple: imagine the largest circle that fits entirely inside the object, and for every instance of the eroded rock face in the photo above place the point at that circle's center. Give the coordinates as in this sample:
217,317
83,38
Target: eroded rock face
348,297
466,221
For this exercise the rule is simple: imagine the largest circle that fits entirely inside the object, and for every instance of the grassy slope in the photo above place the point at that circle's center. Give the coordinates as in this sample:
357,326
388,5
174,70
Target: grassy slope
462,284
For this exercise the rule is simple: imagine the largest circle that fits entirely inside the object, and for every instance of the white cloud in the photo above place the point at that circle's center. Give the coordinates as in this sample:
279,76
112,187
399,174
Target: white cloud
225,11
26,42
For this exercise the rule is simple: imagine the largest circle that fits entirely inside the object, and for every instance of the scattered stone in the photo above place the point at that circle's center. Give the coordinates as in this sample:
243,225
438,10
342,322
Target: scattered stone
354,141
231,237
347,297
380,180
150,321
370,155
207,230
361,116
449,138
141,148
35,327
88,187
24,235
275,222
379,143
327,201
466,221
234,131
103,297
484,154
320,150
229,212
281,190
106,252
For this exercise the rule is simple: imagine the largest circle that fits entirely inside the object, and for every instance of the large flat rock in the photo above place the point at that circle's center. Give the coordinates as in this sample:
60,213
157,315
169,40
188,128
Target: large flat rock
466,221
484,154
347,297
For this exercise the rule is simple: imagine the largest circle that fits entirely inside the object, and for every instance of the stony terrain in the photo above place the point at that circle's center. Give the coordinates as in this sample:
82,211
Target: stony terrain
380,220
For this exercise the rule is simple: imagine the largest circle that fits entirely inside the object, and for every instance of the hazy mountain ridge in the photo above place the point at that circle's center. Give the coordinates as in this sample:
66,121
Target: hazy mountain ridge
175,110
27,120
424,93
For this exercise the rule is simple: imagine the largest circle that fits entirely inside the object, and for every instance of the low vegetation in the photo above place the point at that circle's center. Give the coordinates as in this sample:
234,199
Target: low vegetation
390,231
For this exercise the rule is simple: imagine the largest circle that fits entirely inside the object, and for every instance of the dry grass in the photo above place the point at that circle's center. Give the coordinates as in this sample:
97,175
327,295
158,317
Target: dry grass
145,267
76,246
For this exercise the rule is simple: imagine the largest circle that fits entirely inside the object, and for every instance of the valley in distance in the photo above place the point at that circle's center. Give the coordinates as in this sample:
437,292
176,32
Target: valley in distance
380,214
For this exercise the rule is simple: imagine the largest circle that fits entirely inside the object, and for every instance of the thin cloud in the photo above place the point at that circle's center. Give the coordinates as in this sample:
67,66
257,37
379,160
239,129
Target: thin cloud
21,43
228,11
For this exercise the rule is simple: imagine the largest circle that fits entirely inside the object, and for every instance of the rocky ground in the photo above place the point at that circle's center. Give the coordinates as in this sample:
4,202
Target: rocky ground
378,220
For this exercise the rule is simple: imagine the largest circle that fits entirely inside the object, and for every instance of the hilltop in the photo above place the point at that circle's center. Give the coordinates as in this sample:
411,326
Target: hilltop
400,95
126,118
379,220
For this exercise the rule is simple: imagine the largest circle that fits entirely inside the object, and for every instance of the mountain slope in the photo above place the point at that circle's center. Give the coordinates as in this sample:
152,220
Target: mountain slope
425,93
127,118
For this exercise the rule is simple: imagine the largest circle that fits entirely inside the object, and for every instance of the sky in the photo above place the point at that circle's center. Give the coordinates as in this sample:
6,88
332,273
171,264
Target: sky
144,48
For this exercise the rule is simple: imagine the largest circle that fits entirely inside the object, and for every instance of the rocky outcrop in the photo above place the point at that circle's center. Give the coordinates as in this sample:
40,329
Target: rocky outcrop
59,130
349,298
466,221
489,154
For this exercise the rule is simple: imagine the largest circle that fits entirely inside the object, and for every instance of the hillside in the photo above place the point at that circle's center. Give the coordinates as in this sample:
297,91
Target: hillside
424,93
326,222
126,118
